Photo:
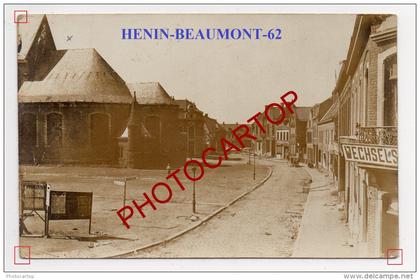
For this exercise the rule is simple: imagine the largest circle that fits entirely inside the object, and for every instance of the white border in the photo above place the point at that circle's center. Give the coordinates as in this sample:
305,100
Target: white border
406,86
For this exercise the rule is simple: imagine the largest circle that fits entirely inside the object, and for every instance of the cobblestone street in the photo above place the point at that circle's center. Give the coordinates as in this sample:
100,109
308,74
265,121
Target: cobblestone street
262,224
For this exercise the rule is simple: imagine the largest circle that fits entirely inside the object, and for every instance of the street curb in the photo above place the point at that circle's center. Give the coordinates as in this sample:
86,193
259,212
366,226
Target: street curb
308,199
270,172
298,237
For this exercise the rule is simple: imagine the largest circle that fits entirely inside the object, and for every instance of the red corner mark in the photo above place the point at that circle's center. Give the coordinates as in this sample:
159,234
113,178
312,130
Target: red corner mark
14,255
392,255
20,16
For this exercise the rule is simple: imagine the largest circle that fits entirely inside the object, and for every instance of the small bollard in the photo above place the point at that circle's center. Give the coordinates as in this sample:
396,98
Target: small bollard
168,167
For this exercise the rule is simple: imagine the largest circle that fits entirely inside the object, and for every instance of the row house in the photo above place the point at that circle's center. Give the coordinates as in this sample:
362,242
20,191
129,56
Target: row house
265,144
367,134
325,134
213,132
312,136
228,127
193,125
275,142
282,141
314,148
297,138
327,143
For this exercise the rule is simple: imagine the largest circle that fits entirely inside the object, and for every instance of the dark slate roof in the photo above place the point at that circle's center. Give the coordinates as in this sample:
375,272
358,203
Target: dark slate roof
302,113
150,93
82,75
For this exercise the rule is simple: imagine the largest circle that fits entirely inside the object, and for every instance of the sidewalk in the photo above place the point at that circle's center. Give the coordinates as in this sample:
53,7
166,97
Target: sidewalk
323,232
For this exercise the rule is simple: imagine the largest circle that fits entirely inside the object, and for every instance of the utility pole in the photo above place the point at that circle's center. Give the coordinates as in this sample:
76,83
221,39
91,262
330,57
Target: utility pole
193,192
254,165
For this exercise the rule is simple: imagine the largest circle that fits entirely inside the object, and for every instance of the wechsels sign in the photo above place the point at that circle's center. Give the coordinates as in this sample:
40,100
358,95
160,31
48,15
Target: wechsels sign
380,155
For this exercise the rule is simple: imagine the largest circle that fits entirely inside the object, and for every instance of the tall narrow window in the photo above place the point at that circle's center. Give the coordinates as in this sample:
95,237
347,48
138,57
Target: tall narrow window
28,130
99,129
54,130
390,91
365,96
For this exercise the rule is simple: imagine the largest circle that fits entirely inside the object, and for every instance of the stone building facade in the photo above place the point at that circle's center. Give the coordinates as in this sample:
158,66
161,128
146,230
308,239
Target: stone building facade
214,132
75,114
312,136
367,128
75,109
297,138
282,141
155,138
192,126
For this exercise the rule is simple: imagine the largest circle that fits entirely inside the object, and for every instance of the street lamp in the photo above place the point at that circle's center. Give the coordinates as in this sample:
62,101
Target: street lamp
193,192
254,165
188,119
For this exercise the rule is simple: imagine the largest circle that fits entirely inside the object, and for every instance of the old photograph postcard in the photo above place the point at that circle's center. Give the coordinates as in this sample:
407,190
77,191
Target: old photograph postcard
209,136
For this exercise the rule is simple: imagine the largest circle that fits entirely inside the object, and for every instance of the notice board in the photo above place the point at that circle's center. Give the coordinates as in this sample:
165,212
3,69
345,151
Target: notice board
70,205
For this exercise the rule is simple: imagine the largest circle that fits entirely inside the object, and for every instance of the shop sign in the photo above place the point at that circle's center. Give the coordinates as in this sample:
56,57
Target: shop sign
379,155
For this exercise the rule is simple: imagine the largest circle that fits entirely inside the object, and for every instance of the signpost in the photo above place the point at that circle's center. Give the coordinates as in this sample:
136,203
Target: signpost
123,183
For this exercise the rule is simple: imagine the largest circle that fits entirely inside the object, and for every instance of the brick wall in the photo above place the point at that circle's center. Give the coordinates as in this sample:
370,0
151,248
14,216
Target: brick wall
76,145
371,221
156,152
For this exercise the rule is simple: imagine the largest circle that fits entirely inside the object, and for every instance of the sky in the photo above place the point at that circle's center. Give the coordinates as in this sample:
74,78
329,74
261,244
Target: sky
229,80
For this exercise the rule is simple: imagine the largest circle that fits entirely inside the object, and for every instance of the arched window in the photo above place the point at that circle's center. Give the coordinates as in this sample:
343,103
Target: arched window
54,129
99,129
28,130
153,126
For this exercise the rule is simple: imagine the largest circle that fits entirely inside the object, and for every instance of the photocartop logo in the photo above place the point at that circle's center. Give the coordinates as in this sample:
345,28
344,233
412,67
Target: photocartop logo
242,131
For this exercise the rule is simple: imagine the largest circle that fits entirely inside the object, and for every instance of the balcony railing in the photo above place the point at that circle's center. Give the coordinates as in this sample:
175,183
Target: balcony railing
386,135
